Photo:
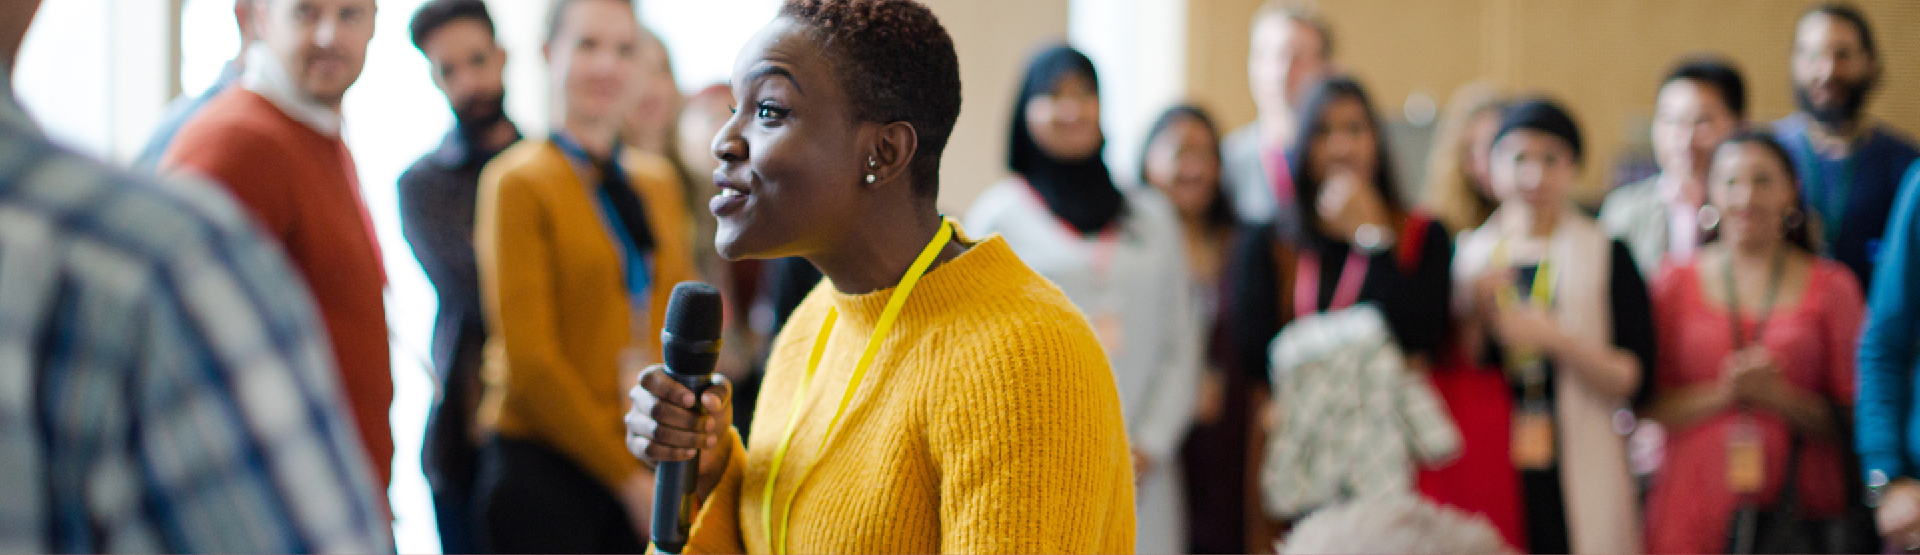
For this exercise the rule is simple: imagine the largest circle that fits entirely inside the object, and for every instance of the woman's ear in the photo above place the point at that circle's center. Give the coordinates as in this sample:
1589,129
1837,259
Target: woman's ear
891,160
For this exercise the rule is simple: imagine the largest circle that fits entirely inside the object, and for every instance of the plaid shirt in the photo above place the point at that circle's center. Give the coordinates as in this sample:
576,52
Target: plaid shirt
165,385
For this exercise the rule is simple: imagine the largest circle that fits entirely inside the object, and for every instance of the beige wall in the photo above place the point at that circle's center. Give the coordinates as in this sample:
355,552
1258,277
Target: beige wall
1602,57
994,39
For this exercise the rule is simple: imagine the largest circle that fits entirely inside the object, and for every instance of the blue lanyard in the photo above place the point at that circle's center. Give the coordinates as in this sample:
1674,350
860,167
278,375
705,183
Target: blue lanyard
637,266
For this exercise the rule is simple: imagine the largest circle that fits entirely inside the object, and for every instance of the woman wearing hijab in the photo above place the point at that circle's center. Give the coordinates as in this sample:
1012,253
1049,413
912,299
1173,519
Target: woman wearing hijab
1119,257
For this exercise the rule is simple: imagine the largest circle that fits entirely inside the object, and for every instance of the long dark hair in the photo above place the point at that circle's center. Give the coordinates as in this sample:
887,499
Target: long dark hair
1799,235
1081,192
1219,213
1306,179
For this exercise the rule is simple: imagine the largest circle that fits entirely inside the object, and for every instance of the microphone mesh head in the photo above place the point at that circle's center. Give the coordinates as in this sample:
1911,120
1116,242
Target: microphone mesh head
694,312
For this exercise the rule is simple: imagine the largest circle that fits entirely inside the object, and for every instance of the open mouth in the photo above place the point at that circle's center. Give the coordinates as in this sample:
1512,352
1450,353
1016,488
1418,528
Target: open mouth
730,200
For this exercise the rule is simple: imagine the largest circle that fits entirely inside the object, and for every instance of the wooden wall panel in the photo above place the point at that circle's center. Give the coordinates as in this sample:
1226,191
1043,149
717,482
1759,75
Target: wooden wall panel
1601,57
993,47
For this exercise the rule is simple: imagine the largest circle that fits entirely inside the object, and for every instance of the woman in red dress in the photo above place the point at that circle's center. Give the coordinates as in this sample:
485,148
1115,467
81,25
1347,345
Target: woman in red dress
1756,338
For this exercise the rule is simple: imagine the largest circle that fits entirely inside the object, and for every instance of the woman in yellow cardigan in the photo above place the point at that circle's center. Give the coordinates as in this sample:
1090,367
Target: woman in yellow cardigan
577,253
933,394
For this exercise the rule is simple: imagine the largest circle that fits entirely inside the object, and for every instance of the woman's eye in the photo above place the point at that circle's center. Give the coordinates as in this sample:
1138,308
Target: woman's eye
767,110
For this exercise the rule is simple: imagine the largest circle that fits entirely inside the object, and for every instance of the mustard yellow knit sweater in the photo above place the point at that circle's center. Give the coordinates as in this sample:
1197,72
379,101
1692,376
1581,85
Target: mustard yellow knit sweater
988,423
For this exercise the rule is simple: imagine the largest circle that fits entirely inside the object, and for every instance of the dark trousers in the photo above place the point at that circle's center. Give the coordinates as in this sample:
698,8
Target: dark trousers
531,499
449,455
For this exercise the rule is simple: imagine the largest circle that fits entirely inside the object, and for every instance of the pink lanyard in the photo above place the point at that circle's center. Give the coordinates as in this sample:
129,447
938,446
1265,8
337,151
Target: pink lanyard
1273,164
1306,284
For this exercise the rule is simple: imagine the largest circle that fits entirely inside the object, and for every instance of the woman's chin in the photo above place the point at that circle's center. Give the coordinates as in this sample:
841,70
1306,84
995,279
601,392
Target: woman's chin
735,242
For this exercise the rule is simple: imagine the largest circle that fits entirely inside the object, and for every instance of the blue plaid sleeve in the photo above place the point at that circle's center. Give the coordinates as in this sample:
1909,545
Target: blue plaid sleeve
188,401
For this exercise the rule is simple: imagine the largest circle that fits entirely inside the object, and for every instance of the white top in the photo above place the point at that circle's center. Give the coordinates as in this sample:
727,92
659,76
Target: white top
1131,281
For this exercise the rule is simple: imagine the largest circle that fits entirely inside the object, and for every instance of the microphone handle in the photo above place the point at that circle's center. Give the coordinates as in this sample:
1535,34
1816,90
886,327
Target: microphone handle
673,483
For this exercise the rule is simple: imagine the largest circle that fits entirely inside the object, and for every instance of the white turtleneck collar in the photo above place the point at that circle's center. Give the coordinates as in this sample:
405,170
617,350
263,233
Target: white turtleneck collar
267,77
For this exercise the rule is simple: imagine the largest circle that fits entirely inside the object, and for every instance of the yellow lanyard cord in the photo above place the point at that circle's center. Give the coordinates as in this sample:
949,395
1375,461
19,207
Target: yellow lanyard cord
777,537
1520,364
1543,281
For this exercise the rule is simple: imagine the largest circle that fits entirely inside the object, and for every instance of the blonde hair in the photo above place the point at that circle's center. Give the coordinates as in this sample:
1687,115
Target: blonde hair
1451,195
1303,13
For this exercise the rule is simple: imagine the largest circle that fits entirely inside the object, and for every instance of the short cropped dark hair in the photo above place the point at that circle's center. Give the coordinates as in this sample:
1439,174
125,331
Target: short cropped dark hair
438,13
1718,74
897,63
559,9
1846,11
1544,115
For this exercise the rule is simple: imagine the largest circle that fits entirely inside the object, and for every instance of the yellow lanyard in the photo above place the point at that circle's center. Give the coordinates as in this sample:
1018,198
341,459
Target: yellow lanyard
777,537
1523,364
1543,280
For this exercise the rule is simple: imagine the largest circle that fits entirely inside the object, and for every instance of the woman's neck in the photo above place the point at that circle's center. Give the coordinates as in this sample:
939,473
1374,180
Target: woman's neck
649,140
1195,226
1754,252
1688,188
875,257
595,136
1531,221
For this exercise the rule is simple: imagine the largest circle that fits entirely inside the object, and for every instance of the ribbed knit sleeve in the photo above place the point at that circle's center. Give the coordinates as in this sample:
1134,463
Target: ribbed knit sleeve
716,529
516,246
1029,443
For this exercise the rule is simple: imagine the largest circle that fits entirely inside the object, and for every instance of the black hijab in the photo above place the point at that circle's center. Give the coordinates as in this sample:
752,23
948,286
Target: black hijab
1081,192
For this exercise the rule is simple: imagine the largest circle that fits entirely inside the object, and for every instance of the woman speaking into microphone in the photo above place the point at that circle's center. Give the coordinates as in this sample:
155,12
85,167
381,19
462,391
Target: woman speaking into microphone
933,394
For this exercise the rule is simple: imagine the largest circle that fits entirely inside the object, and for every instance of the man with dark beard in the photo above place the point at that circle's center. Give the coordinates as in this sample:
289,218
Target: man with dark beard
436,210
1849,166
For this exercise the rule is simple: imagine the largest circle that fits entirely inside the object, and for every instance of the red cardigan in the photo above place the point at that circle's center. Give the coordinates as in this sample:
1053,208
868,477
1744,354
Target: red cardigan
302,188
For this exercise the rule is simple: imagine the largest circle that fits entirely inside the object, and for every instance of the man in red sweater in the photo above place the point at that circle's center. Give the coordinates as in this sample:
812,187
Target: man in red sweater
274,143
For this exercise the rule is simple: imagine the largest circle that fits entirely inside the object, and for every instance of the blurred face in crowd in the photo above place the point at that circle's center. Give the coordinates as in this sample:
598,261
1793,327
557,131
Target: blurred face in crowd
1533,168
658,102
468,67
1346,142
1690,119
593,58
1065,122
1480,135
322,43
1183,162
792,160
1285,56
703,117
1832,71
1755,192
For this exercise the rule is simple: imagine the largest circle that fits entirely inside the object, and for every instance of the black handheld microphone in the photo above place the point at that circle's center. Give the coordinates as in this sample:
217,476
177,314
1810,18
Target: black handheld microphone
689,345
